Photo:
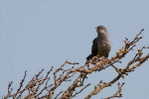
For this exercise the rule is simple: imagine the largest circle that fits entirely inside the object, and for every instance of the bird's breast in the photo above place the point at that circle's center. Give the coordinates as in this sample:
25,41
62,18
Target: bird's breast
102,48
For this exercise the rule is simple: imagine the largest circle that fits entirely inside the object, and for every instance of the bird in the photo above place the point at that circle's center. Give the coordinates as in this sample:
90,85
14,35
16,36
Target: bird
101,46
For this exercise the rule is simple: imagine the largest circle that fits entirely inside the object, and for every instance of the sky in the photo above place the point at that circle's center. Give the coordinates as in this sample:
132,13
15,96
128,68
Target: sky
36,34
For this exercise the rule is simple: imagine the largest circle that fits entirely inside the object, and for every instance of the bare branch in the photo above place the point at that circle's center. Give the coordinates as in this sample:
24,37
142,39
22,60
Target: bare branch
70,80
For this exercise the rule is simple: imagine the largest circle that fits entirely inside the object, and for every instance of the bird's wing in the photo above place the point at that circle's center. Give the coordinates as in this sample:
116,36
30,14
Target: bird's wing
94,47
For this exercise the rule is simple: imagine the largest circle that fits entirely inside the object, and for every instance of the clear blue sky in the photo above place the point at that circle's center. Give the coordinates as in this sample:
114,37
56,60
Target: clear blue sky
36,33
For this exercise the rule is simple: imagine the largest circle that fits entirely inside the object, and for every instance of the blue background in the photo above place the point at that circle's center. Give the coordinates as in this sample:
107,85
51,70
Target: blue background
36,34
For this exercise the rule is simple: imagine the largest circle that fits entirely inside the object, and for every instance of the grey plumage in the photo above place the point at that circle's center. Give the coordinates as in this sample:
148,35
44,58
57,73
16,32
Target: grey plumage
101,44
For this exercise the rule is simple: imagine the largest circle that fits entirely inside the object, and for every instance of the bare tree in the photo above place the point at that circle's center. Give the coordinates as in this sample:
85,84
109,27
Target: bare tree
70,79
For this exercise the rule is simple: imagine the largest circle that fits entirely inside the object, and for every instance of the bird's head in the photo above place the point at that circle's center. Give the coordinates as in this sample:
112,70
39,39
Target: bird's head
101,30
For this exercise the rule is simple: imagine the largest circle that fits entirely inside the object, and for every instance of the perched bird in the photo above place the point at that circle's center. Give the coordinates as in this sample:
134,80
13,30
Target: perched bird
101,44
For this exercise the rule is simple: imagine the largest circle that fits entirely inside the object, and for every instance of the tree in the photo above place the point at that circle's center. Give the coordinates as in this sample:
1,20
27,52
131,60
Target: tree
45,85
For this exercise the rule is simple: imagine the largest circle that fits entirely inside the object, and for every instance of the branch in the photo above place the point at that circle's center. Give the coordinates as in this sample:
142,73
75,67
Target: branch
71,78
